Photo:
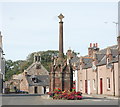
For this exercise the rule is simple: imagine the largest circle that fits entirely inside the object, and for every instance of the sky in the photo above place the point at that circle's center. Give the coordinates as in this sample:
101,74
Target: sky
34,26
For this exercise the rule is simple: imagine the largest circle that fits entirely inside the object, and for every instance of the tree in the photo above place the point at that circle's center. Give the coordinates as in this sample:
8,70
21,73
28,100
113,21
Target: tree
16,67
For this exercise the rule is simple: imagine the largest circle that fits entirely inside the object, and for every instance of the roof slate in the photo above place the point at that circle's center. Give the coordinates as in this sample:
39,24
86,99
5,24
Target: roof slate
100,56
31,70
42,80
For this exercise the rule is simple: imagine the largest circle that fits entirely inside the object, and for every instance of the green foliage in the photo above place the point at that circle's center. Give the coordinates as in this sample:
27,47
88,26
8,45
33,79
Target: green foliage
46,58
16,67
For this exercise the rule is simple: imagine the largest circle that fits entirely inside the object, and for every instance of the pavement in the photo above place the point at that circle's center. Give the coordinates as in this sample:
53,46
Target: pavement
88,96
100,96
26,99
45,96
20,94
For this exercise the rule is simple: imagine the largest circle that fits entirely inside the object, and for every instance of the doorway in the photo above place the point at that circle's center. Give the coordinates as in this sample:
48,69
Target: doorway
85,86
44,90
101,86
35,90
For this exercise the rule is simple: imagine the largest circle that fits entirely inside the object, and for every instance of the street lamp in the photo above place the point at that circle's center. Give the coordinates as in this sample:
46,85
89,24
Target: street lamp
116,23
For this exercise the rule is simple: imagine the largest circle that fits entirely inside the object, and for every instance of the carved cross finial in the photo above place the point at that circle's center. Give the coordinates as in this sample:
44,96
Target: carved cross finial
61,17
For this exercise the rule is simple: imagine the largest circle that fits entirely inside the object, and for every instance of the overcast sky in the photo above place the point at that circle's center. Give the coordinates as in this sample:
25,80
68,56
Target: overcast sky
29,27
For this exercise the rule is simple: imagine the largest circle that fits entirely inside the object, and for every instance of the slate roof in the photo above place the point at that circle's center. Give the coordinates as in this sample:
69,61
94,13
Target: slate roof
88,64
76,61
37,75
31,70
103,61
101,57
42,80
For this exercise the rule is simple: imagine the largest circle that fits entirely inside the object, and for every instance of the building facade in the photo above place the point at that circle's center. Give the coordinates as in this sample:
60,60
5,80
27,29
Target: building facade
75,65
34,80
2,67
98,73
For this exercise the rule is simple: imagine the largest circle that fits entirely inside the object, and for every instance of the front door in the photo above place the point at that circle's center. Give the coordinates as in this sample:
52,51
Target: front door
35,90
88,86
44,90
101,86
85,86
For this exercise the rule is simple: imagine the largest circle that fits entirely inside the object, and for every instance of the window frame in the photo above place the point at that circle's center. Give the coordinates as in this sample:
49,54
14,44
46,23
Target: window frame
81,85
94,85
108,83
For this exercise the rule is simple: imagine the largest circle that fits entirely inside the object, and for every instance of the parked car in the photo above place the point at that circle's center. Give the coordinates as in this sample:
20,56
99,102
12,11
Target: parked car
19,91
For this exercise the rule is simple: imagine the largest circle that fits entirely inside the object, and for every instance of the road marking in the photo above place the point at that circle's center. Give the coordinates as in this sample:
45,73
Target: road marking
101,100
97,100
106,100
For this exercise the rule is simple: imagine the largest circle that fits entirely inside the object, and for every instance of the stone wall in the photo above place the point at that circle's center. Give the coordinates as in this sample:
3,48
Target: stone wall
102,72
24,84
40,90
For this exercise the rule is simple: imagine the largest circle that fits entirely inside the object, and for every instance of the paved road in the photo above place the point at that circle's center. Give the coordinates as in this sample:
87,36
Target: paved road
41,100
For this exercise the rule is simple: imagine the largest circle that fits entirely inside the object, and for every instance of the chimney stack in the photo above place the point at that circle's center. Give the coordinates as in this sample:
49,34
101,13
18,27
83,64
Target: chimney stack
93,48
96,44
90,45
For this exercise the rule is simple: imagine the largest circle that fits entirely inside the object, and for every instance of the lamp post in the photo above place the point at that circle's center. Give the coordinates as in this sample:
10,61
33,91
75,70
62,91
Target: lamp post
116,23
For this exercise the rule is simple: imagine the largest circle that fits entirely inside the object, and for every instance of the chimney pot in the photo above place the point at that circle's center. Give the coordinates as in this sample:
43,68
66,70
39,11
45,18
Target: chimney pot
90,45
94,45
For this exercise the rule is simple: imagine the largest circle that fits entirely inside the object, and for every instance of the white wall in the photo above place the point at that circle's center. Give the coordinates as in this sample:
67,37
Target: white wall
75,78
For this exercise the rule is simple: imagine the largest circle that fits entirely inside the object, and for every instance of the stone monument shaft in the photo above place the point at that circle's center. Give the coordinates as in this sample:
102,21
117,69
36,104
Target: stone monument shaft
61,37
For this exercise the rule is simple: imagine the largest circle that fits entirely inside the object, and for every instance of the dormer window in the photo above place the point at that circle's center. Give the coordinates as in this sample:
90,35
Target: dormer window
109,55
94,66
114,56
35,80
109,65
108,60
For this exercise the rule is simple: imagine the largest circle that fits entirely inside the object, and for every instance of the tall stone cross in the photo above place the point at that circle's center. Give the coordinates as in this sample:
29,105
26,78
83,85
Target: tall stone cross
61,38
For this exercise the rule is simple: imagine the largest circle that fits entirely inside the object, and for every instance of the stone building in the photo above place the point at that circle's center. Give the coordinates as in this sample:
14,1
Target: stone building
13,85
75,65
98,71
34,80
61,74
2,67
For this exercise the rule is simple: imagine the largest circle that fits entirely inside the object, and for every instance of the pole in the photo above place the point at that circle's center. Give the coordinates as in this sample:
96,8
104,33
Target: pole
116,23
